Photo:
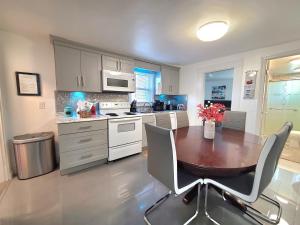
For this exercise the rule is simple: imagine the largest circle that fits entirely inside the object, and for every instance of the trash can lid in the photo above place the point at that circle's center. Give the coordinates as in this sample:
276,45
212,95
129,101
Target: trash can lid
35,137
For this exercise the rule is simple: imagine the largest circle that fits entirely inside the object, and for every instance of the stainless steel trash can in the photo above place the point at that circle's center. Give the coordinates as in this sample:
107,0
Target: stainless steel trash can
34,154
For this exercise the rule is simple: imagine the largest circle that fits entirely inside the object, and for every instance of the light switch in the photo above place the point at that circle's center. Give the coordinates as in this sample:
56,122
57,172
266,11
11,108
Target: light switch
42,105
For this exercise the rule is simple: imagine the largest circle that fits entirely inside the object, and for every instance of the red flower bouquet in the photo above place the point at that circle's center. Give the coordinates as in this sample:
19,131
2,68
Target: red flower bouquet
214,112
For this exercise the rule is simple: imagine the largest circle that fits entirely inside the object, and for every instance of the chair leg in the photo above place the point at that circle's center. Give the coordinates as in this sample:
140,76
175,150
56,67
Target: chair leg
205,207
254,212
156,205
198,206
164,198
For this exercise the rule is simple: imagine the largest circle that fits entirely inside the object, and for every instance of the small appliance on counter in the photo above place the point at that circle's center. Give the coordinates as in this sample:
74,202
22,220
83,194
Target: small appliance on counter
133,107
158,105
68,111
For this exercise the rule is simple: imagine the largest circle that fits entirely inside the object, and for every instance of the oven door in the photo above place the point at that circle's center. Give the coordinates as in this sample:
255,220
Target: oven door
118,81
124,131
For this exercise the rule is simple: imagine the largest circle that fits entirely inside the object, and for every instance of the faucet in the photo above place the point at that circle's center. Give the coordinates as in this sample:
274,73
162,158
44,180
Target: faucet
149,106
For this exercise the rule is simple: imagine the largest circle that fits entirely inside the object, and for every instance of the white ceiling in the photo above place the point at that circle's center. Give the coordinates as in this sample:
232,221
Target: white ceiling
159,30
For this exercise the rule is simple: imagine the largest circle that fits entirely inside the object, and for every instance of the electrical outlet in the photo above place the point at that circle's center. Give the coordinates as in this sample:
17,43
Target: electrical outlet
42,105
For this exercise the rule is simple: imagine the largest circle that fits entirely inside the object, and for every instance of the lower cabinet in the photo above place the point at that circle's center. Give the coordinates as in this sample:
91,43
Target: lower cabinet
150,119
79,148
173,120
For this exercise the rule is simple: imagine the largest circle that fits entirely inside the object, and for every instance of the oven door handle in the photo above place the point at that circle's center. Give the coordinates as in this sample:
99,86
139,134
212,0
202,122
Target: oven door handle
124,120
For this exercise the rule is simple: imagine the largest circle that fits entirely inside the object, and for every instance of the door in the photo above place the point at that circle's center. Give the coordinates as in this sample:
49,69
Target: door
110,63
125,130
91,71
165,81
126,66
123,82
67,67
170,80
282,102
3,158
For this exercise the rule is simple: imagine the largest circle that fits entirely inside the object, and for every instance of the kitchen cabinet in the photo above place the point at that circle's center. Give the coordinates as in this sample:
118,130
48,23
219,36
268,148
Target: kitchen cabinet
91,71
82,144
173,120
67,68
77,70
170,80
117,64
150,119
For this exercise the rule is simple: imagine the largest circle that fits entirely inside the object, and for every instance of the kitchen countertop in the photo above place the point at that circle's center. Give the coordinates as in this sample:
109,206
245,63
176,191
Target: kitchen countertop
60,118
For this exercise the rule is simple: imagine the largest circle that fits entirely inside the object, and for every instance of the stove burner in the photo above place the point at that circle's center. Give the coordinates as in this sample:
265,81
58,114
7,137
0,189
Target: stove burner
111,114
130,113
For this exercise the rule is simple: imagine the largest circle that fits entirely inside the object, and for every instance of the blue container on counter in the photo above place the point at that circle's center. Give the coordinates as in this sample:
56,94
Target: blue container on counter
68,111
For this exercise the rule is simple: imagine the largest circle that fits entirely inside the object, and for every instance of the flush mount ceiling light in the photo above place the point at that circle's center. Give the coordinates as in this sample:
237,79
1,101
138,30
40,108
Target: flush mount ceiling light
212,31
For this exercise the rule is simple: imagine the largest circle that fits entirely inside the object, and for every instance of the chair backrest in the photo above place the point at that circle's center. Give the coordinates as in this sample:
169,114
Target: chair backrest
269,158
162,159
163,120
234,120
182,119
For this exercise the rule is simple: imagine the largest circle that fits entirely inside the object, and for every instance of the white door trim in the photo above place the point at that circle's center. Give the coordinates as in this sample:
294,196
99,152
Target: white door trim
5,174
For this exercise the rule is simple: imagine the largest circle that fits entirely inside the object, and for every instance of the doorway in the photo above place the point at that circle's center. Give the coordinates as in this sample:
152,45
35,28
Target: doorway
218,87
282,102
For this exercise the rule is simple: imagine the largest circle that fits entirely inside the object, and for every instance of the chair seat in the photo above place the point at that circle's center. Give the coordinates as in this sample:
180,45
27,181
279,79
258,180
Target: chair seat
185,178
242,183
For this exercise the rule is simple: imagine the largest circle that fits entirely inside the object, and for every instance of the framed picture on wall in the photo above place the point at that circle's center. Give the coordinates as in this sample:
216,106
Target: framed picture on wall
218,92
28,84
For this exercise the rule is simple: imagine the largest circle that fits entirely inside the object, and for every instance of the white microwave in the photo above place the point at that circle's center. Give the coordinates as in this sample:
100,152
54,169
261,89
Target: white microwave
118,81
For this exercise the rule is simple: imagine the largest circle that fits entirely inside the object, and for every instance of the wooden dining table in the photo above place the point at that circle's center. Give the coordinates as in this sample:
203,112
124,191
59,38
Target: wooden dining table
230,153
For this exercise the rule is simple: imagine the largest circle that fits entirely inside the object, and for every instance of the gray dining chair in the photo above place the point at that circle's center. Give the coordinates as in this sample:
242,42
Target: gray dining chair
163,119
234,120
162,165
250,186
182,119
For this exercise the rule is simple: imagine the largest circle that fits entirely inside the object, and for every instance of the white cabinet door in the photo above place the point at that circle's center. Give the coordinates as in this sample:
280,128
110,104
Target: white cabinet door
170,80
126,66
91,71
67,68
110,63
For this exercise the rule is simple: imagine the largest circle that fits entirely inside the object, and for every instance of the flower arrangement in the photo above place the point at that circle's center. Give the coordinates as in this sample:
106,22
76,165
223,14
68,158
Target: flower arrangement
213,112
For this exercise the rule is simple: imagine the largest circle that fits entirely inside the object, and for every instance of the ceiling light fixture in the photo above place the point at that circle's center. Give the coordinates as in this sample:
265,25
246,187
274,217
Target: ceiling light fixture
295,62
212,31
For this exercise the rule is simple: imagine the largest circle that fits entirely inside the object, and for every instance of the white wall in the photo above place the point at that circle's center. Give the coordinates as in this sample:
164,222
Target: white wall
209,84
27,54
192,80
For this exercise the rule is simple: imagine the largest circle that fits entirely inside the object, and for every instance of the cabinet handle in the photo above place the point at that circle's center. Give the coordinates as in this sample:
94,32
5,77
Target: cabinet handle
84,128
82,81
117,64
120,66
86,156
77,79
85,140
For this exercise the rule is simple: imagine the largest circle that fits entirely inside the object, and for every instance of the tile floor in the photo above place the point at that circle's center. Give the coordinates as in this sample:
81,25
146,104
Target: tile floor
119,193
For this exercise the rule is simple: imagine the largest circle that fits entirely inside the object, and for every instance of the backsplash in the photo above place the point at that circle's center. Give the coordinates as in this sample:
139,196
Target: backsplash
64,98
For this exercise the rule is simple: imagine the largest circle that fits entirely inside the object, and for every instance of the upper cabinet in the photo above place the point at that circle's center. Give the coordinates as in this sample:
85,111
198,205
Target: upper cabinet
67,68
117,64
170,80
77,70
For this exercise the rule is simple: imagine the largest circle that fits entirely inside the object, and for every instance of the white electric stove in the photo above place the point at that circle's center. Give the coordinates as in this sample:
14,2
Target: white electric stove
124,129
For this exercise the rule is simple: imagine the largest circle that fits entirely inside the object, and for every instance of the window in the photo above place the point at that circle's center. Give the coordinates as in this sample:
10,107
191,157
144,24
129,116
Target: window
146,82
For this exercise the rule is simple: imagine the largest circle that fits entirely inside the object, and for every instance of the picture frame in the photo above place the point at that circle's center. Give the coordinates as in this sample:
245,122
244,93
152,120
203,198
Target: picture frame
28,84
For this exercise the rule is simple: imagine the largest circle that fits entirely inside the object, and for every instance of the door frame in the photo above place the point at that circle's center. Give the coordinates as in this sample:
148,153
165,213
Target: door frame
265,81
6,175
